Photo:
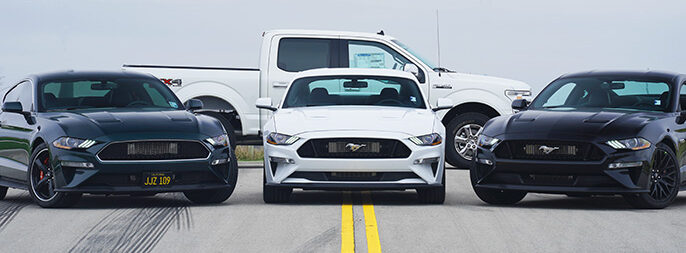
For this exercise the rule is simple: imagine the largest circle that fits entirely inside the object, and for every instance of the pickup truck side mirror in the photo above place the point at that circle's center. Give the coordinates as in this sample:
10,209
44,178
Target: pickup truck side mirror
442,104
13,107
409,67
520,104
194,104
265,103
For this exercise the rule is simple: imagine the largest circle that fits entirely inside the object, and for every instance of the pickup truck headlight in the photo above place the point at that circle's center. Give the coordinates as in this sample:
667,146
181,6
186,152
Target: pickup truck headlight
631,144
487,142
427,140
72,143
281,139
517,94
219,141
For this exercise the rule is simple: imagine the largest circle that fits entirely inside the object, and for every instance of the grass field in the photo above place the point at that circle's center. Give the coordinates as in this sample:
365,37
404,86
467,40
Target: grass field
249,153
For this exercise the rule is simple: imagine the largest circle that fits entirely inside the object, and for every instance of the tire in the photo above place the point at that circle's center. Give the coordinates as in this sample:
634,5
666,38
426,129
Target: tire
230,131
451,151
663,184
275,194
433,195
43,192
216,196
495,196
3,192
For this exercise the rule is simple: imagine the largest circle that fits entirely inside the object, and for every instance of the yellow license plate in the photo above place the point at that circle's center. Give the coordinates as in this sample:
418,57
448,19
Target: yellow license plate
157,179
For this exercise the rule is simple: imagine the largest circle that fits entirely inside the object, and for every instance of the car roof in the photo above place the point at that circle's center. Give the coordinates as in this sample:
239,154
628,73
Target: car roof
627,73
326,33
355,72
70,74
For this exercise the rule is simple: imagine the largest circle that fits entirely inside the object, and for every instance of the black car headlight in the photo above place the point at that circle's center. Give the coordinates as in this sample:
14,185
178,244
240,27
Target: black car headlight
281,139
487,142
219,141
72,143
630,144
427,140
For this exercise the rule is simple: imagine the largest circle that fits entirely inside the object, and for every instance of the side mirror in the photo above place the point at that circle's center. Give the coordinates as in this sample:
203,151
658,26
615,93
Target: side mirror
520,104
442,104
409,67
265,103
13,107
194,104
681,118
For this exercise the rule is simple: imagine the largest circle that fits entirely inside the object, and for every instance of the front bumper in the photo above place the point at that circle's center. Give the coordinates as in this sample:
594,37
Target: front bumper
127,176
547,176
423,168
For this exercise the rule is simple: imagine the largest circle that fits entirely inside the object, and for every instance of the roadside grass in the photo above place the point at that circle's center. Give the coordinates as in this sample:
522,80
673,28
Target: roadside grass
249,153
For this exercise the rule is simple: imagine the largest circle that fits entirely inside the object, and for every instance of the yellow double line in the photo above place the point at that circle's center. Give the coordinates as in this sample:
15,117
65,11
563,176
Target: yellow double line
348,228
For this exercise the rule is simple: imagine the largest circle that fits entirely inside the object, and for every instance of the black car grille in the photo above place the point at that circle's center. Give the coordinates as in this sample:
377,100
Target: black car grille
154,150
353,148
558,151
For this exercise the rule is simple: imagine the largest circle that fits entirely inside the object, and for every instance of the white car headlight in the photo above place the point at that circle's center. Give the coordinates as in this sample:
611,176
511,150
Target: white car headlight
427,140
219,141
632,144
517,94
487,142
72,143
281,139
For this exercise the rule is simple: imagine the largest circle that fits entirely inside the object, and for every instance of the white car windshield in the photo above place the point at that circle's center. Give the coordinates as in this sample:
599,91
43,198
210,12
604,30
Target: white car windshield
354,90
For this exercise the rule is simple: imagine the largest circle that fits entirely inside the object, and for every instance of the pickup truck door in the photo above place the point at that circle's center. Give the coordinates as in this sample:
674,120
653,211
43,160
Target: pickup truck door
294,54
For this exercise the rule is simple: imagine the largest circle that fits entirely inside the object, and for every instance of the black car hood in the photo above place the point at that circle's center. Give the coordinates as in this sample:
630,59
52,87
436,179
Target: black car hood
576,122
116,122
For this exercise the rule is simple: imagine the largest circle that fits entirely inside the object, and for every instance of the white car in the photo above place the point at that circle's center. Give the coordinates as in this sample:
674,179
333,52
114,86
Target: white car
353,129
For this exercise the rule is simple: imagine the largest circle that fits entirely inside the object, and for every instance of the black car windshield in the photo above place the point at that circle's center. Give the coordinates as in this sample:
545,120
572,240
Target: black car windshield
605,93
73,94
354,90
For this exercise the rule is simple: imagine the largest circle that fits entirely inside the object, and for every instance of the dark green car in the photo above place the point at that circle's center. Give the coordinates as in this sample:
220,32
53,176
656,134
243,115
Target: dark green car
68,133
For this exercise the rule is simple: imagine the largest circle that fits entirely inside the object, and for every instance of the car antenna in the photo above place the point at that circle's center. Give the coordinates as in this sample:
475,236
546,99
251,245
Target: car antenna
438,44
381,33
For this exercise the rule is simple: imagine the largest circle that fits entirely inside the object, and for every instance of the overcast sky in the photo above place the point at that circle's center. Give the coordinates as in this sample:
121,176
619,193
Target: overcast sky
533,41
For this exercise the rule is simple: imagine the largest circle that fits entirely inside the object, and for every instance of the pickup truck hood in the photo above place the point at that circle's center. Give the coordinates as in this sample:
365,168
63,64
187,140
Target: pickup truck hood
492,82
409,121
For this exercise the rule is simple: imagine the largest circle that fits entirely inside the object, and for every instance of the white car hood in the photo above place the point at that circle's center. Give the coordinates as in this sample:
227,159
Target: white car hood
488,80
409,121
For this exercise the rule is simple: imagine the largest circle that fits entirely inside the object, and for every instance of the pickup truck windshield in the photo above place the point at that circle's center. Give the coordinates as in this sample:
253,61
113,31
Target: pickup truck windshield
57,95
605,93
354,90
408,49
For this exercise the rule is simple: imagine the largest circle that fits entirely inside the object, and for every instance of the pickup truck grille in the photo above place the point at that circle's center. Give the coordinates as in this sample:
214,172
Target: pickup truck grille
154,150
549,150
354,148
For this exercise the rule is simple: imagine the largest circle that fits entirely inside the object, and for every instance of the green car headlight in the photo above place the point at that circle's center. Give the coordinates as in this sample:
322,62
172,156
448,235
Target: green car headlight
72,143
630,144
219,141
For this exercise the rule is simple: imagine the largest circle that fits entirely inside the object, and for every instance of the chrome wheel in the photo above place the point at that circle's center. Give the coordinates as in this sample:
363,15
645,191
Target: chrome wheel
465,140
42,176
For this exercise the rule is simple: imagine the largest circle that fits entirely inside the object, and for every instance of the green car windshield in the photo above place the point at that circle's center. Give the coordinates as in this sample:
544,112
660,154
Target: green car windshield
605,93
73,94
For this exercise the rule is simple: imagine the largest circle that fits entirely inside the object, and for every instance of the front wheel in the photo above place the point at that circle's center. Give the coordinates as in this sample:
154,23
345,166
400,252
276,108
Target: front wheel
41,180
663,181
495,196
215,196
462,134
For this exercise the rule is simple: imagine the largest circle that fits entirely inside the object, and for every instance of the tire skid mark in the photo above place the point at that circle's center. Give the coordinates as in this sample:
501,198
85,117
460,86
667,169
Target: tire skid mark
134,230
9,209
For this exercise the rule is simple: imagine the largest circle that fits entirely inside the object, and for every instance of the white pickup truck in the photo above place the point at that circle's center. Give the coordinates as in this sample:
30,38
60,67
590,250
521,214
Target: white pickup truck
229,94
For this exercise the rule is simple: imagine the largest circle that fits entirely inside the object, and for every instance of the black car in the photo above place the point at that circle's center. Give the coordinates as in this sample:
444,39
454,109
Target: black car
592,133
68,133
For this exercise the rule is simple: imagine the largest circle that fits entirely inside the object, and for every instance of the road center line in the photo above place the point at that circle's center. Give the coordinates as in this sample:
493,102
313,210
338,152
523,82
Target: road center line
373,242
347,229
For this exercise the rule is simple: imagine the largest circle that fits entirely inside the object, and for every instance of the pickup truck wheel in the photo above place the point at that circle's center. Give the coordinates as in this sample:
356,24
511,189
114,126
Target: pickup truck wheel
462,134
227,126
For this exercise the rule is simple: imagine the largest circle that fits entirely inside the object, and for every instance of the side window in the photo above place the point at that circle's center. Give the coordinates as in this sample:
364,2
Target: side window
367,54
22,93
561,95
682,97
299,54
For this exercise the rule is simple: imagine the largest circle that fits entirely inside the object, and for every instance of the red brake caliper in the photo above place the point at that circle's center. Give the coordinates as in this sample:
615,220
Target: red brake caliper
40,176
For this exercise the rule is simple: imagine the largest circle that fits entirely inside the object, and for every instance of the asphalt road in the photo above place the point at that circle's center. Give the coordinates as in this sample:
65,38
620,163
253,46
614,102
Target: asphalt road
318,221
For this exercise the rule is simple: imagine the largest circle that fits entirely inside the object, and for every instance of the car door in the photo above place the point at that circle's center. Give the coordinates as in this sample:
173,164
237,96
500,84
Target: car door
295,54
15,133
681,132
